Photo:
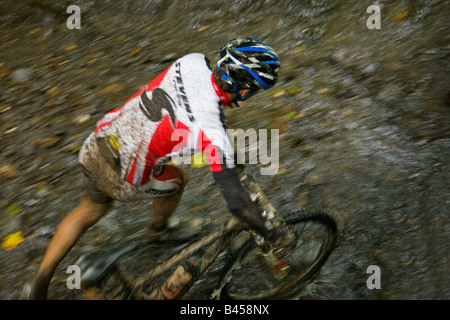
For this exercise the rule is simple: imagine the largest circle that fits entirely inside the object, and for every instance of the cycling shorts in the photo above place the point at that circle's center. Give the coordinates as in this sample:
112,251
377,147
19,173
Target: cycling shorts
165,180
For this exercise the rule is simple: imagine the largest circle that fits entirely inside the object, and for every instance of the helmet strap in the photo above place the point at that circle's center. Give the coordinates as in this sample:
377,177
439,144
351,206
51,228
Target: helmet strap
224,99
239,97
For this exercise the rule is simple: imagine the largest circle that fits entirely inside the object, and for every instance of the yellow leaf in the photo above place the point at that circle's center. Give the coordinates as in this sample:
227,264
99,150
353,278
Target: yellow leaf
293,90
113,88
4,72
347,112
71,47
35,31
53,92
135,51
400,16
299,48
64,62
300,115
278,93
12,240
203,28
5,109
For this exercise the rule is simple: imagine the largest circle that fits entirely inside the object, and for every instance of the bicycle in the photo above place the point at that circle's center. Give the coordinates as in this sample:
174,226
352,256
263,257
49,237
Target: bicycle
270,273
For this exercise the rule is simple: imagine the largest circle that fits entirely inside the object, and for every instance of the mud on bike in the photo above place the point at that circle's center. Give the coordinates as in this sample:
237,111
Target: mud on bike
263,272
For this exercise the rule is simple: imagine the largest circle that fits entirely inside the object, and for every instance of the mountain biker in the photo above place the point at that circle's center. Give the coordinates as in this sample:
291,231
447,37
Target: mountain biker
127,156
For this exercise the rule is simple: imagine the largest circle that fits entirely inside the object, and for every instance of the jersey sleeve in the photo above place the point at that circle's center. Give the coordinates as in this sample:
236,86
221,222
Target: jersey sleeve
240,204
219,152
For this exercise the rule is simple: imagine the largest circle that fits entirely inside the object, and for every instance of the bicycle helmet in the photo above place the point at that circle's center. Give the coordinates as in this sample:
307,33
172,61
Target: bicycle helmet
247,63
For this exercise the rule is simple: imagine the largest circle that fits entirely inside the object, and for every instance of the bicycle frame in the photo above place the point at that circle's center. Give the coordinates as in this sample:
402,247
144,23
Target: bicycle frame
219,240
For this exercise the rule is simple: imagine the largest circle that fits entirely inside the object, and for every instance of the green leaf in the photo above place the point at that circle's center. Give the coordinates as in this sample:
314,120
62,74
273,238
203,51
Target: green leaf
293,90
291,115
13,209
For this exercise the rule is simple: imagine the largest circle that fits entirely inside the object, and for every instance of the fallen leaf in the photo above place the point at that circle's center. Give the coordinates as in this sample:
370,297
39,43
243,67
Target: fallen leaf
5,109
291,115
11,241
71,47
302,203
76,149
93,294
400,16
299,48
347,112
11,130
92,61
135,51
285,127
300,115
278,93
203,28
35,31
293,90
113,88
53,92
4,72
13,209
197,208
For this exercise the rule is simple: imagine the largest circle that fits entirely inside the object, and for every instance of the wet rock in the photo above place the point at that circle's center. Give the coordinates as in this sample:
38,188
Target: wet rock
47,142
371,69
22,75
81,119
335,154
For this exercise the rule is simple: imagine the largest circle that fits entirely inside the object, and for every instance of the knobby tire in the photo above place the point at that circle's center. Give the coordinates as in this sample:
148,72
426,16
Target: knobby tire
286,288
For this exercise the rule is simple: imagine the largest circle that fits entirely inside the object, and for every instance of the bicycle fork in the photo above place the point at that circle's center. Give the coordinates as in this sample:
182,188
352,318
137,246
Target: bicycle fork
273,220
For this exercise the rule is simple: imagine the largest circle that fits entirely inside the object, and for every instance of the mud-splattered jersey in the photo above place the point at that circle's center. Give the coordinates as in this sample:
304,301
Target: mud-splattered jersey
179,111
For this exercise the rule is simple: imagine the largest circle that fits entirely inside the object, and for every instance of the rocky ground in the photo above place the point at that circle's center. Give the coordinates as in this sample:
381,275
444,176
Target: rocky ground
363,117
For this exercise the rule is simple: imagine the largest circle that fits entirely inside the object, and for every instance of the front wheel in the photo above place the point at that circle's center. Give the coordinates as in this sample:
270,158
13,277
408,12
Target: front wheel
252,278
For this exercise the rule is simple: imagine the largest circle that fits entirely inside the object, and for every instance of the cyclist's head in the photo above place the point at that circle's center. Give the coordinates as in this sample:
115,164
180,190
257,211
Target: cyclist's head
247,63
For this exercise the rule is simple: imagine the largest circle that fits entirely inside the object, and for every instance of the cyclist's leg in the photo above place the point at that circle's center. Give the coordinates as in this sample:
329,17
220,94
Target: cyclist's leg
170,177
92,206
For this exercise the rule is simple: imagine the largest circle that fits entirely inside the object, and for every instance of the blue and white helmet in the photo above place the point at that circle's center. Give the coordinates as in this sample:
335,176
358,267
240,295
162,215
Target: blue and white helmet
248,63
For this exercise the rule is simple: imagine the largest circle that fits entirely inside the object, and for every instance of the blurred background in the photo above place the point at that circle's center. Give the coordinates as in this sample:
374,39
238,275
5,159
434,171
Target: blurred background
363,115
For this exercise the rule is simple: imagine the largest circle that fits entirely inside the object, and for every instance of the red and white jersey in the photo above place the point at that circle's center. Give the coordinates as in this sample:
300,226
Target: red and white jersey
179,111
